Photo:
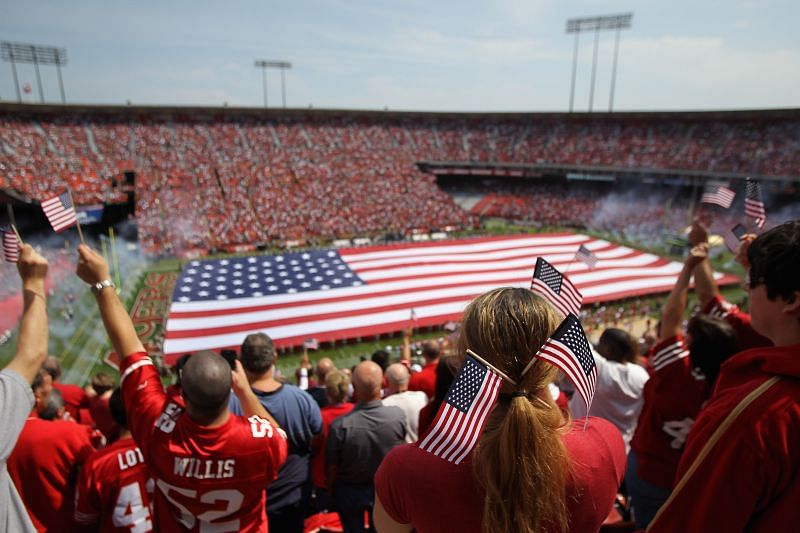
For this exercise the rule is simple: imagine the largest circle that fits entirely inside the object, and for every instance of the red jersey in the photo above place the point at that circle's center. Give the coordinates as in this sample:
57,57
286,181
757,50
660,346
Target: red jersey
329,414
424,380
206,477
419,488
101,415
672,398
750,479
115,489
44,466
739,321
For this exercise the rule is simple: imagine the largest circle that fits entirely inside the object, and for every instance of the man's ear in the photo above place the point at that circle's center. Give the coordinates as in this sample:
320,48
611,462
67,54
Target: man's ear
792,305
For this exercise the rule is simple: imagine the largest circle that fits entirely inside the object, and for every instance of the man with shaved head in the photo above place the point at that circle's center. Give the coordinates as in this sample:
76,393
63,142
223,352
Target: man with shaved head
317,392
410,401
357,444
211,468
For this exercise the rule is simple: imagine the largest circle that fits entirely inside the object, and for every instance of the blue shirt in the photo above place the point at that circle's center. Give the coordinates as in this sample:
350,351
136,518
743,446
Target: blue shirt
300,418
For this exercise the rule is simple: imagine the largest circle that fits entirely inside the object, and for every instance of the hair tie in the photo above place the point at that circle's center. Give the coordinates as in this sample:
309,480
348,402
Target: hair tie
508,397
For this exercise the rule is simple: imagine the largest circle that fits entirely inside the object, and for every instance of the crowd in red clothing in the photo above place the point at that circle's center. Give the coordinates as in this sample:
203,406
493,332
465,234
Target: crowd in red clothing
223,181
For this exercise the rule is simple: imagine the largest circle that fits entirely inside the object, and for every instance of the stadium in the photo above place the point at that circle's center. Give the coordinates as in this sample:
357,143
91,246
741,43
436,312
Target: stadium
344,233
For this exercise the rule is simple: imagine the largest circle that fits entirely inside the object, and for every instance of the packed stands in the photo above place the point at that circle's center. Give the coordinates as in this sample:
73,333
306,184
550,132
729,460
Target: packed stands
211,181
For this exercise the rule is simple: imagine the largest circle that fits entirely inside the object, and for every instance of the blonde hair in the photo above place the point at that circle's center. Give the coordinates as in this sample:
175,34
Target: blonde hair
520,460
337,386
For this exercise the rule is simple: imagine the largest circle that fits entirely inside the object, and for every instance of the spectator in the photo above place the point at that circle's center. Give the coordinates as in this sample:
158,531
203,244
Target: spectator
102,387
211,468
16,395
115,489
425,380
620,382
337,388
55,408
289,496
528,472
74,397
411,402
674,394
318,392
46,461
740,469
357,444
446,371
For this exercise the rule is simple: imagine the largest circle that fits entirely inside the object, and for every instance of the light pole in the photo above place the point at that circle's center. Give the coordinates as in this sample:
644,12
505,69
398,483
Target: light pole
37,55
596,24
264,64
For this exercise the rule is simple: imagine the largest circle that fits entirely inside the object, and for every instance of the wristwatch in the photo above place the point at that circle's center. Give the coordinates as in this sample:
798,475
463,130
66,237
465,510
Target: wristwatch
97,287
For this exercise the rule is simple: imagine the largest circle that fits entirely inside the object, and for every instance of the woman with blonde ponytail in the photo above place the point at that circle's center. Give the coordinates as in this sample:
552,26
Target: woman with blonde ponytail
531,471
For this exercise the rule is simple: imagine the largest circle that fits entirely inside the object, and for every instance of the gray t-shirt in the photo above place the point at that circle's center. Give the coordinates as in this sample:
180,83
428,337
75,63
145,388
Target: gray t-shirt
16,402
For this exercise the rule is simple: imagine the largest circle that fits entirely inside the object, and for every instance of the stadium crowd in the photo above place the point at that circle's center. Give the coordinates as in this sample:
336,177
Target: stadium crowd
699,433
242,180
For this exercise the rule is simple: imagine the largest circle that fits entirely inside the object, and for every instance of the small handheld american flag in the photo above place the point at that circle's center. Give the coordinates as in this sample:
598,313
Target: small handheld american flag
311,344
556,288
60,212
462,416
753,204
10,245
587,256
569,350
718,195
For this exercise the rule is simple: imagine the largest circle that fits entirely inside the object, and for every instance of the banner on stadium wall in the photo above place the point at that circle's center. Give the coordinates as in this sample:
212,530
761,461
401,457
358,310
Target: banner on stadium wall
89,214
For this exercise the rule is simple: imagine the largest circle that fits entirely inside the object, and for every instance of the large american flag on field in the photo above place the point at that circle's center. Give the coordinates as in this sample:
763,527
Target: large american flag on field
60,212
463,412
556,287
753,204
357,292
569,350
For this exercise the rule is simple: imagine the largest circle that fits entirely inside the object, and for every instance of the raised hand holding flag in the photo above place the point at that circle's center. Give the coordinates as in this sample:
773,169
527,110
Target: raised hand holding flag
556,288
753,204
11,244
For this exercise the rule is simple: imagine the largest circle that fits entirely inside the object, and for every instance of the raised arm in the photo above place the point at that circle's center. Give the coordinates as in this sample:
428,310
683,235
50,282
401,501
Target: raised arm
704,285
32,343
250,402
672,316
93,269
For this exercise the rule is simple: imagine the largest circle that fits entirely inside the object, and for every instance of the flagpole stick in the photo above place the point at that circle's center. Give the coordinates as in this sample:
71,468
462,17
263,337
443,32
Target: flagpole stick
115,257
569,265
11,219
77,222
498,371
14,228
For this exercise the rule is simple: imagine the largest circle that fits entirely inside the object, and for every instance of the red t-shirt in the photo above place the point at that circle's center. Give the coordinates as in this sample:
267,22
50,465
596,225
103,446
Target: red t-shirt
419,488
329,414
101,415
750,479
424,380
672,398
206,477
44,466
115,489
739,321
74,398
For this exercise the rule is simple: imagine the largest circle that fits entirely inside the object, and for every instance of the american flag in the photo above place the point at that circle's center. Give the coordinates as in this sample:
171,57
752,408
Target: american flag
569,350
358,292
10,245
733,238
462,415
556,288
60,212
753,204
311,344
587,256
718,195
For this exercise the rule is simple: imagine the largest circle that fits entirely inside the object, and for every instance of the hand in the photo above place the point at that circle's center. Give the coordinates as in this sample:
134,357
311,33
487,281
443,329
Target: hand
698,233
239,380
744,245
92,268
305,362
697,255
32,266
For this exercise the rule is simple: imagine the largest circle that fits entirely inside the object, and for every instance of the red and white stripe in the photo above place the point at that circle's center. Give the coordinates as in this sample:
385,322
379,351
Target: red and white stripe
569,300
560,355
436,280
10,246
60,217
456,432
669,354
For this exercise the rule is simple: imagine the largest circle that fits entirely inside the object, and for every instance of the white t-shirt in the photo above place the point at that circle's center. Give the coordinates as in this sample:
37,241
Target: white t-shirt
411,402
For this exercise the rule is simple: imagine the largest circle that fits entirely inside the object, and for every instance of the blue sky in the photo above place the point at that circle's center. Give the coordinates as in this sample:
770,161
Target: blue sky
505,55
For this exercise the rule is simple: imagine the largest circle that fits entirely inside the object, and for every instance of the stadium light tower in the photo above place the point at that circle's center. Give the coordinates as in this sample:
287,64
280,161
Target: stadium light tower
596,24
35,54
264,64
